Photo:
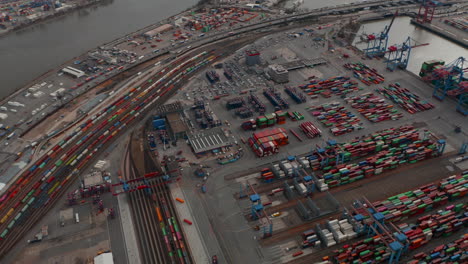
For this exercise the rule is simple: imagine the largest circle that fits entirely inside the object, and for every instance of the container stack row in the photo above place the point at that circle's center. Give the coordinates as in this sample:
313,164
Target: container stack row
269,120
443,223
244,112
212,76
380,162
257,104
265,143
327,238
296,95
235,103
339,85
295,116
289,167
364,73
310,239
267,175
310,130
342,230
423,199
452,252
370,249
455,186
275,98
362,147
337,118
373,108
407,100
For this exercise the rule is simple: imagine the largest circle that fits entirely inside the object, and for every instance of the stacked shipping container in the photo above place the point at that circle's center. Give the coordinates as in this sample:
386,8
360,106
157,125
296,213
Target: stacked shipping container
365,74
382,161
373,108
425,198
257,104
405,99
442,223
275,98
364,146
296,95
452,252
336,85
235,103
310,130
337,118
279,117
266,142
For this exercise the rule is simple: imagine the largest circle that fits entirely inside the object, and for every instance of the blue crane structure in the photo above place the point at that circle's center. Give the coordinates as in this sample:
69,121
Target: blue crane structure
377,43
398,56
461,93
449,79
142,183
374,224
258,213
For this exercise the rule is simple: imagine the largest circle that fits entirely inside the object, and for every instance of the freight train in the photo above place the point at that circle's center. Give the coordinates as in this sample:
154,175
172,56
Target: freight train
51,178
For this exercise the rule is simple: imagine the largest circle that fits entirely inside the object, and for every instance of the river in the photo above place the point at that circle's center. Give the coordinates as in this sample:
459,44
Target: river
439,48
28,53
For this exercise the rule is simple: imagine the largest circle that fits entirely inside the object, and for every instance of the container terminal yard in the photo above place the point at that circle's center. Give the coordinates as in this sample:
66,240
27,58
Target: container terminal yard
233,134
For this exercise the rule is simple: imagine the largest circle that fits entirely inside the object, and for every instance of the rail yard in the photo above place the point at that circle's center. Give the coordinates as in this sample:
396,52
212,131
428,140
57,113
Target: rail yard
288,145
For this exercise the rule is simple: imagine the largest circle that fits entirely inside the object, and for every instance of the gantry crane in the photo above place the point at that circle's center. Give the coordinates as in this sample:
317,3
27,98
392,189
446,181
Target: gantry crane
398,56
377,43
462,94
141,183
426,12
449,79
374,224
258,213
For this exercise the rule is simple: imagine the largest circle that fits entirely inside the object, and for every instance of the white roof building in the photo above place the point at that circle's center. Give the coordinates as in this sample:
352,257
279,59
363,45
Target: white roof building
104,258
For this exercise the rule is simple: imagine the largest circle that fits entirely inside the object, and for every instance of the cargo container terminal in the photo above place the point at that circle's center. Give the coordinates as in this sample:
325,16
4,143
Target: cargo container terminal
231,134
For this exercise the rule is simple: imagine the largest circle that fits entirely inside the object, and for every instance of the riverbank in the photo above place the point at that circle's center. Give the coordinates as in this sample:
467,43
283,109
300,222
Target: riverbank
452,34
41,77
41,19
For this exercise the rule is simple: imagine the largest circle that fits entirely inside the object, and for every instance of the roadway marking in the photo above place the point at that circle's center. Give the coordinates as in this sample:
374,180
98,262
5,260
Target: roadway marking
450,33
438,28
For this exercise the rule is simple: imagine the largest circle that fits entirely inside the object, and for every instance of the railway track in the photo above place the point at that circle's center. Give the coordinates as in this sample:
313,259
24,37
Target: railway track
30,197
159,238
36,190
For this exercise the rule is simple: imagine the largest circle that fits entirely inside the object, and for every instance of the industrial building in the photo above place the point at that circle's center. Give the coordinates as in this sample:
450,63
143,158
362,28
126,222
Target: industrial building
177,125
159,30
104,57
209,141
104,258
73,72
278,73
252,57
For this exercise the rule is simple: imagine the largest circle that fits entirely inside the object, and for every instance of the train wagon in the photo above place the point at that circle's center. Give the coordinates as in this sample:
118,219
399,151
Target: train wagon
11,224
4,233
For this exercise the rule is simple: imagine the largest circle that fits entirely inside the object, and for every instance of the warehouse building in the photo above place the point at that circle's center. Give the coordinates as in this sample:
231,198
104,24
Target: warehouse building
278,73
104,258
210,141
159,30
73,72
177,126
